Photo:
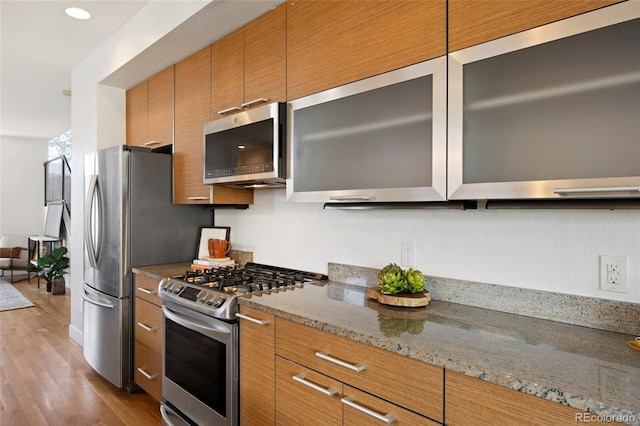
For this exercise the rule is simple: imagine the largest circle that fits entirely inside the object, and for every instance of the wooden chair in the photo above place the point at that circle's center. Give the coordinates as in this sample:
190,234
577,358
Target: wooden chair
14,255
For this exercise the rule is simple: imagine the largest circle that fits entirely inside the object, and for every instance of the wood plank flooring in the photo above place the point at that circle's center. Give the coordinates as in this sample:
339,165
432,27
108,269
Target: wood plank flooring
44,379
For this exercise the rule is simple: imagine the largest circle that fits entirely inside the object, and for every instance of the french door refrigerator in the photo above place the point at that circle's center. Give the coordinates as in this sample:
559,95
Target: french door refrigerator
129,221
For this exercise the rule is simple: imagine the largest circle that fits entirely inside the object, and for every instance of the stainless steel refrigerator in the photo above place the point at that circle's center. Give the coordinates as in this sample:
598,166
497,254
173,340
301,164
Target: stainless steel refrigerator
129,221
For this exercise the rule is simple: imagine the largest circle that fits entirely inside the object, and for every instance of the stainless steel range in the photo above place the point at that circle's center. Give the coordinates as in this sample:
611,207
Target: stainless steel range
200,354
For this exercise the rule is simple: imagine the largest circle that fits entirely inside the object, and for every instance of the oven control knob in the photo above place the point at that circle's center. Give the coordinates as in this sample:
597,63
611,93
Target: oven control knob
218,302
206,296
177,288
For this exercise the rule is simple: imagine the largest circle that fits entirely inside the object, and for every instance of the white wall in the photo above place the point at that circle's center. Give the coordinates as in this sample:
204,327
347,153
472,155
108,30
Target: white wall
554,250
22,208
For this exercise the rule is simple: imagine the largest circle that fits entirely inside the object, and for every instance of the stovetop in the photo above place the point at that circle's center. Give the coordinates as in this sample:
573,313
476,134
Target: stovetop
214,292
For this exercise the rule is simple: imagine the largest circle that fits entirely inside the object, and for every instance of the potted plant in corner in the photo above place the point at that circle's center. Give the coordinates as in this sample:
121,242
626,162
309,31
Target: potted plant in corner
52,268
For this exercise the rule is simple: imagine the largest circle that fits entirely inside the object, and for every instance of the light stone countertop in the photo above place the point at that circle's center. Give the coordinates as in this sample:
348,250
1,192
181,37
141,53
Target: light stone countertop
584,368
158,272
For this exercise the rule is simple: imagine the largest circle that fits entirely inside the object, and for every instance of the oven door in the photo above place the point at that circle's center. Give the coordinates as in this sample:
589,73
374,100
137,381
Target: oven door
200,366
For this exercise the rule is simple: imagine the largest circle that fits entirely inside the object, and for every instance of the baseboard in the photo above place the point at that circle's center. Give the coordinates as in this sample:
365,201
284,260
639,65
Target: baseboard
76,334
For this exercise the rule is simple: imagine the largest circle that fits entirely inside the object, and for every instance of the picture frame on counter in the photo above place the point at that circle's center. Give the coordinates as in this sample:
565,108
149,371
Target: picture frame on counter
207,232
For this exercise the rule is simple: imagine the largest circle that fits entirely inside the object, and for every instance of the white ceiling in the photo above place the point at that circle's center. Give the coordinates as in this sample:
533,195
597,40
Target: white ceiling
40,46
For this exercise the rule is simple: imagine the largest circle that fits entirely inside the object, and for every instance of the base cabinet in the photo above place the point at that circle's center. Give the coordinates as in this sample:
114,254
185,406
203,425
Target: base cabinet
304,396
147,356
473,401
257,368
366,383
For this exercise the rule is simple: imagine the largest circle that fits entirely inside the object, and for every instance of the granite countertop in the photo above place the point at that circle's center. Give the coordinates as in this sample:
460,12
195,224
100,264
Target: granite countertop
158,272
584,368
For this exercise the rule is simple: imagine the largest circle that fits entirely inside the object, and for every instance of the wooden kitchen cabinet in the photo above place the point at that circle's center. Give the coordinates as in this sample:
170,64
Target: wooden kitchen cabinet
409,383
473,22
192,111
250,64
523,110
297,403
354,415
147,359
137,114
473,401
257,368
149,111
332,43
160,109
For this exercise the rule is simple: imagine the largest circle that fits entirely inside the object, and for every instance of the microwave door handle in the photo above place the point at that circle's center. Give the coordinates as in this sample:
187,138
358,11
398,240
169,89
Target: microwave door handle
228,110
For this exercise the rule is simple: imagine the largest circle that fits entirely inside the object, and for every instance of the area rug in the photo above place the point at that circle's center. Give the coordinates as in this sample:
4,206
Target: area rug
11,298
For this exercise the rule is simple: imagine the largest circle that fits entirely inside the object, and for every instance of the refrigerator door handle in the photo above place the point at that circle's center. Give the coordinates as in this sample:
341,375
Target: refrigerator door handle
88,223
95,302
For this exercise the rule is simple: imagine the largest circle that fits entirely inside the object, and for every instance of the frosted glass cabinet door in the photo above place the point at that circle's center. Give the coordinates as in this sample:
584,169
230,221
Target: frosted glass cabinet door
378,139
550,112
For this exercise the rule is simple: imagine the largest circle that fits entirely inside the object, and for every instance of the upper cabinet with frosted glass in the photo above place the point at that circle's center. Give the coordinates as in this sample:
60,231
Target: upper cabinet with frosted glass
382,138
549,112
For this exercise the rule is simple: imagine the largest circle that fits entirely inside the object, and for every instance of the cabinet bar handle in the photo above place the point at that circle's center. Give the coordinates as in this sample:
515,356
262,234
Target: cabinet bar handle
251,319
328,392
325,355
228,110
351,198
350,401
151,143
197,198
253,102
147,375
144,290
146,327
597,189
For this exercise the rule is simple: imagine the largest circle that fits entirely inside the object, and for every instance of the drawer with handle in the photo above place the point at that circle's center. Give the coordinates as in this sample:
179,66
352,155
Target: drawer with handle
360,408
410,383
148,325
147,288
147,371
303,394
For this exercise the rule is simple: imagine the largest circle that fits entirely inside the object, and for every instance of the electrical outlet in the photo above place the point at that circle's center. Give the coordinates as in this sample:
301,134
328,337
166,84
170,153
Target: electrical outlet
407,253
613,273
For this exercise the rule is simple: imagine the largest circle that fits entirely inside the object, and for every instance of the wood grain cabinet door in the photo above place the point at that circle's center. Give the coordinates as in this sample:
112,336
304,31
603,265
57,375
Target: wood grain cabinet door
413,384
257,368
248,67
160,109
192,111
331,43
265,51
227,73
473,401
473,22
306,397
147,371
363,409
136,114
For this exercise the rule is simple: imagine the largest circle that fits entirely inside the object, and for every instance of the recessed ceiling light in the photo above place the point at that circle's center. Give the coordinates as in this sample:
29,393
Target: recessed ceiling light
76,12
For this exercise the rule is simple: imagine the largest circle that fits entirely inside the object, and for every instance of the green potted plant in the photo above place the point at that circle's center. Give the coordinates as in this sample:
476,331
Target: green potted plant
52,268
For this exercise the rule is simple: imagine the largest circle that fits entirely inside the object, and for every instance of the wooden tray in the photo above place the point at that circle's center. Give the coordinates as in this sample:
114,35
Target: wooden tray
408,300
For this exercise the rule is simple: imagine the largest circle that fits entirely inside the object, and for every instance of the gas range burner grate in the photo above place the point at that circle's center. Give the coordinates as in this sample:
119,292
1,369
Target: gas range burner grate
253,277
214,292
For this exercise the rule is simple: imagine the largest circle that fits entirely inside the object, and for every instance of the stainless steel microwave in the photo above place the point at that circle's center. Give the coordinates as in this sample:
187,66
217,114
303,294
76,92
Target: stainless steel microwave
247,149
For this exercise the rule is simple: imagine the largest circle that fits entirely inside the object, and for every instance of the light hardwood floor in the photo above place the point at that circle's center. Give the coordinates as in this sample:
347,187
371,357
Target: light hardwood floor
44,379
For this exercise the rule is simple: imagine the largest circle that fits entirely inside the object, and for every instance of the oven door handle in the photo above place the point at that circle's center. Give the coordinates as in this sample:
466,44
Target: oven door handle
213,330
170,417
